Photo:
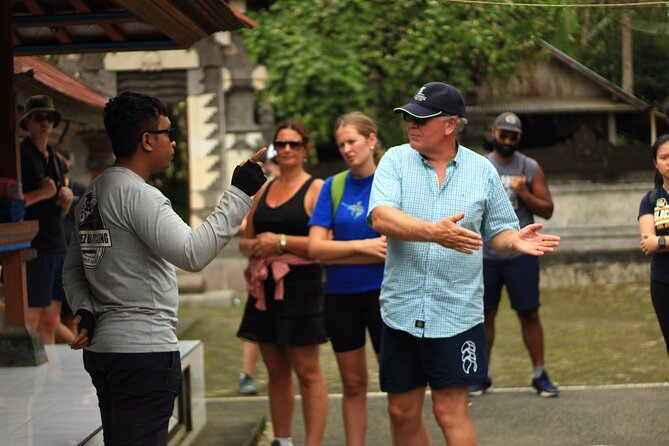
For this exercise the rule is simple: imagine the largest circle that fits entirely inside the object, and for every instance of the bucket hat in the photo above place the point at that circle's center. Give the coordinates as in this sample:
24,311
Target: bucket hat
39,103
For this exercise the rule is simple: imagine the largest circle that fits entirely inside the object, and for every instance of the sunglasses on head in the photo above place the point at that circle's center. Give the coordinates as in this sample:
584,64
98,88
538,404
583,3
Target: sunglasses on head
41,117
171,133
511,136
293,144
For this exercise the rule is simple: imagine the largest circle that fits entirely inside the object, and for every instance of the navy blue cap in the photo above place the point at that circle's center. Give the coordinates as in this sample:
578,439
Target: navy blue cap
433,99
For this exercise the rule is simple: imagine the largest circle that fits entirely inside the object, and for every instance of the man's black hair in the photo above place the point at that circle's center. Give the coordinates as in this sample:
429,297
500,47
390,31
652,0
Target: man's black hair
127,117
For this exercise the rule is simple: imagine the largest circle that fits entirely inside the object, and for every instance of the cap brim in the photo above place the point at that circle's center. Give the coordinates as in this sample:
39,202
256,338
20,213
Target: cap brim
417,111
509,128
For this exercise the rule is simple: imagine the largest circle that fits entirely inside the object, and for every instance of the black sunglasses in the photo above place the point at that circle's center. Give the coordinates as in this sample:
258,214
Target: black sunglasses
511,136
292,144
43,117
171,133
418,121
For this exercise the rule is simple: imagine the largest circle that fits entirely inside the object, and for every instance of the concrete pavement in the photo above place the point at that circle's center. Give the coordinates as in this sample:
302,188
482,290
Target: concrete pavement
615,415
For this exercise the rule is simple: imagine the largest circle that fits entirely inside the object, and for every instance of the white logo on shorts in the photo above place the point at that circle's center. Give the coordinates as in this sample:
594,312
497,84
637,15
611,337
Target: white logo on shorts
468,351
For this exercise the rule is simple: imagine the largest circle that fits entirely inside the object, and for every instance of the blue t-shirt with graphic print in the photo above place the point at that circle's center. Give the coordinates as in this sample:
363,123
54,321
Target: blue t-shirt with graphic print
349,223
659,264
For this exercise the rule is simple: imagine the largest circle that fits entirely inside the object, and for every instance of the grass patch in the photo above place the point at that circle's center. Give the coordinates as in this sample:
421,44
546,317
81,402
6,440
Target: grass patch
602,334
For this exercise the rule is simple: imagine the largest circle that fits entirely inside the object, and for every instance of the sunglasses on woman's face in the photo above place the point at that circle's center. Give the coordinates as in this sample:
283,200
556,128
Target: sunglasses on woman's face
280,145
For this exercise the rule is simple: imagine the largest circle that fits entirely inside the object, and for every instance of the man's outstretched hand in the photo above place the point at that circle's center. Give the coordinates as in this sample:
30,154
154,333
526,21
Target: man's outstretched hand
529,241
249,176
453,236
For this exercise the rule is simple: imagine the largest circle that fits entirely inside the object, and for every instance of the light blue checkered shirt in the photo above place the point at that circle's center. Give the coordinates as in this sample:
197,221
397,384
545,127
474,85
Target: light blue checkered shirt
425,283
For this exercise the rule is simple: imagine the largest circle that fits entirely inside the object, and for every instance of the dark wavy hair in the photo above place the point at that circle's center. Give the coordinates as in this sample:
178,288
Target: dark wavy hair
127,117
663,139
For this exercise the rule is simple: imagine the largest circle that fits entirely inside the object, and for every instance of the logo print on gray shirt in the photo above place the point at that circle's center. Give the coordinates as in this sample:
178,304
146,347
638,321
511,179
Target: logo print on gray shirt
94,238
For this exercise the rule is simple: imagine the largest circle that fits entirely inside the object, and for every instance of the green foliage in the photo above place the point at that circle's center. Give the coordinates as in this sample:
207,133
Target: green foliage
593,37
328,57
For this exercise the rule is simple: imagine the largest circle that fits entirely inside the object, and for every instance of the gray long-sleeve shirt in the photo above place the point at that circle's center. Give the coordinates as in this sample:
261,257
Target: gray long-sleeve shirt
119,265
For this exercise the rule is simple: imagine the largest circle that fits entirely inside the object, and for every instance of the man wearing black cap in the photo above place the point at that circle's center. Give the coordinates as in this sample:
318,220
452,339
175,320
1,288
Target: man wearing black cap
438,202
528,192
47,200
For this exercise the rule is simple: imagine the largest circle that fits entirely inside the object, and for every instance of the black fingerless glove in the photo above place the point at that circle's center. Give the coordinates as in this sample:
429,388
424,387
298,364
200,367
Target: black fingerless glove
249,177
87,322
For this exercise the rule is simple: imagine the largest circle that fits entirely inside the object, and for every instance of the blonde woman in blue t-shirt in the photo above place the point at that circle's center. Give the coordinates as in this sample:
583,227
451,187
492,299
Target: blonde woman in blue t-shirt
340,238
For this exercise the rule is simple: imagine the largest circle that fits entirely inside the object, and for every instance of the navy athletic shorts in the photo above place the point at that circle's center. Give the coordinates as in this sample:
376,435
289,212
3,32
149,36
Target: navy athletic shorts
521,277
44,275
409,362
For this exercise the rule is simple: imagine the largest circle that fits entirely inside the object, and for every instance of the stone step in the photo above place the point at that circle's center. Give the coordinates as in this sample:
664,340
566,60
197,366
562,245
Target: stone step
227,427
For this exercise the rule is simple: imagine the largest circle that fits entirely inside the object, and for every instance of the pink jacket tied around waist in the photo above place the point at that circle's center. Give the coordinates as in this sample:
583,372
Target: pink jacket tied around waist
257,273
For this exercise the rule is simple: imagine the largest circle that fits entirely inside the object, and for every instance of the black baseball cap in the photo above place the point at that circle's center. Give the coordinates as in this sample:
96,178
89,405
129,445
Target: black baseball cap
433,99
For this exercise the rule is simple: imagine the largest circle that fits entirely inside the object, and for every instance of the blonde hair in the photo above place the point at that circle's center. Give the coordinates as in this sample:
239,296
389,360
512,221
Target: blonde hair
364,125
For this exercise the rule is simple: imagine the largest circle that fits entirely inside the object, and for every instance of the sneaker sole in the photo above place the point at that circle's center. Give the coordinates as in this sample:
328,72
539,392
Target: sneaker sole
480,392
547,394
247,391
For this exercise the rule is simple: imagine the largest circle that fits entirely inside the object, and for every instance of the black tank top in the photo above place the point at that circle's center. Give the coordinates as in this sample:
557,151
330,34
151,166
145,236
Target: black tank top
290,218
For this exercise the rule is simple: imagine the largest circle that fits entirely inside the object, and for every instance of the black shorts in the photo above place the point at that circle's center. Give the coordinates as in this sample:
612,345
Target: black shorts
521,277
296,320
44,275
348,315
408,362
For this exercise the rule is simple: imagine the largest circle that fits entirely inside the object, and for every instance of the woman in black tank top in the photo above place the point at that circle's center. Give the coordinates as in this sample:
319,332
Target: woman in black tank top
289,328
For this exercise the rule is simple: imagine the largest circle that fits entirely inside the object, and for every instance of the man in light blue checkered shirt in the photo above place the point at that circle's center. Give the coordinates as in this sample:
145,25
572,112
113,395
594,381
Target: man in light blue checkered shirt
438,202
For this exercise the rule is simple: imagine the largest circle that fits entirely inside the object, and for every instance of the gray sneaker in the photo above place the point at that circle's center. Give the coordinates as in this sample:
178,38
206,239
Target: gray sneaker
246,386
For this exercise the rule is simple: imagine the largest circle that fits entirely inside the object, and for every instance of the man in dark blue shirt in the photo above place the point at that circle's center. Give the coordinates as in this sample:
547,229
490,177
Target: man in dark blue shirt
47,200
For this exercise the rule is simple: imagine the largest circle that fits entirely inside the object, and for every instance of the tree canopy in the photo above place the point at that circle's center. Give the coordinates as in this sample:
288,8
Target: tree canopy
329,57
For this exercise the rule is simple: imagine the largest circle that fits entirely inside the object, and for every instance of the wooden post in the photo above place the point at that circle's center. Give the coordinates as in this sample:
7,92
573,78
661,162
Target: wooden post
20,345
10,166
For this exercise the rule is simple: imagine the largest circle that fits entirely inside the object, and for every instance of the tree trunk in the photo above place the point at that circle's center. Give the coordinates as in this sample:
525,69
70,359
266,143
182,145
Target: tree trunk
627,64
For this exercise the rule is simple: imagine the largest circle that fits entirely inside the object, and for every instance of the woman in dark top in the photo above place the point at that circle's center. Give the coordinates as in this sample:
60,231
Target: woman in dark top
654,228
284,311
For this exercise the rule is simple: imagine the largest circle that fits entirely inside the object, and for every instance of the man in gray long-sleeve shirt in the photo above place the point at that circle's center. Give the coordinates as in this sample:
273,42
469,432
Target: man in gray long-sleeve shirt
118,272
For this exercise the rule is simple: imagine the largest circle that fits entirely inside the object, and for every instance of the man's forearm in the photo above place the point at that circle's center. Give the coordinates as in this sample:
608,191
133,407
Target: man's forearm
398,225
503,242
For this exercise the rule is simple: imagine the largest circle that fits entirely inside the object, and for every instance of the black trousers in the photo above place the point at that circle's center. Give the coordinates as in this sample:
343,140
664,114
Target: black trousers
136,393
659,293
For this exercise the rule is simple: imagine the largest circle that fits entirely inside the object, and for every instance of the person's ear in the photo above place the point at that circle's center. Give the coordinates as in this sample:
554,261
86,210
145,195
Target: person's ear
451,126
372,139
145,141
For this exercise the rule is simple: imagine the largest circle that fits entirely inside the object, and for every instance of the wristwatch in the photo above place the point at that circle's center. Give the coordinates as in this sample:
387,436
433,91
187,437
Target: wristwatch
282,243
661,242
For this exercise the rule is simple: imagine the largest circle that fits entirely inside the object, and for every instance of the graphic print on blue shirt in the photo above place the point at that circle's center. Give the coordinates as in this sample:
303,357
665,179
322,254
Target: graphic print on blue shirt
349,223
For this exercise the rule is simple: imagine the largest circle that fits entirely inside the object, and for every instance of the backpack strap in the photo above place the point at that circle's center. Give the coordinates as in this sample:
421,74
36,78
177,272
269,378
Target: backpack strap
337,190
652,196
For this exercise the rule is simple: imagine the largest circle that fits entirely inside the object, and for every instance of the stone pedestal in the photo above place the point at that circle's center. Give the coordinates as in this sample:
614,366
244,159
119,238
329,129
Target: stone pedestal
20,345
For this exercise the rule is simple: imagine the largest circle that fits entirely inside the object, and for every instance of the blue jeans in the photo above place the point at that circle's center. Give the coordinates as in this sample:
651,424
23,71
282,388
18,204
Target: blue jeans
136,393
